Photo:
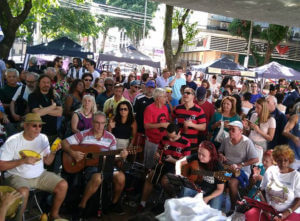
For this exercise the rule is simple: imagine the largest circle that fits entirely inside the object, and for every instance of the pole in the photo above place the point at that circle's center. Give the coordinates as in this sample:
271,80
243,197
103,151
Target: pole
144,29
246,61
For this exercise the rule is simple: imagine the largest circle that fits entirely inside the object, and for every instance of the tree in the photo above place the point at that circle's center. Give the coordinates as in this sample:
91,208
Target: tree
13,14
68,22
177,20
134,28
273,35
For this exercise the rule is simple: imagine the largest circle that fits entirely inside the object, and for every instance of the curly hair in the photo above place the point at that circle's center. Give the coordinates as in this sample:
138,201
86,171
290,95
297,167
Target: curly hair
130,117
208,145
74,85
283,151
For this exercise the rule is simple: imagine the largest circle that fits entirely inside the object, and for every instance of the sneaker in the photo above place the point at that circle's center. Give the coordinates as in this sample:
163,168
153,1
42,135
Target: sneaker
117,208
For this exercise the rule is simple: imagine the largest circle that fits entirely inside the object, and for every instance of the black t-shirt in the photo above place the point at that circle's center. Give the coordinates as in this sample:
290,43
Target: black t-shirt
139,105
209,184
91,91
35,101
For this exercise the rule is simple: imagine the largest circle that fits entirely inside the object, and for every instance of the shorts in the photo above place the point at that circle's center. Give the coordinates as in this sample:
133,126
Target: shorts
149,151
47,181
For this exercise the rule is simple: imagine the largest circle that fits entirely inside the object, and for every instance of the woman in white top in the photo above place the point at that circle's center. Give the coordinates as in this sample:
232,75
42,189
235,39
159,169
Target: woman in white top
281,186
262,125
246,105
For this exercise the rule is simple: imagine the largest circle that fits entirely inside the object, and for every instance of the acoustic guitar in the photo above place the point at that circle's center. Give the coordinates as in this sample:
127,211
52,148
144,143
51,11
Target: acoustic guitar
91,157
235,172
195,173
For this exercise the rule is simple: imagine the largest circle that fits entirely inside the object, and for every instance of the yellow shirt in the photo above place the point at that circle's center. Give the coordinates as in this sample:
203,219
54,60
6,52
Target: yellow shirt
111,104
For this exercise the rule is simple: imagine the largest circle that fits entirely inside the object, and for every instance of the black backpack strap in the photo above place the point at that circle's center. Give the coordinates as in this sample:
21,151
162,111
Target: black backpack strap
22,91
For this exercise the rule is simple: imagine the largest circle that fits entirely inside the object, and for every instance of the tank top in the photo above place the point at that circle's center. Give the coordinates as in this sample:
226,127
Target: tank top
122,131
76,103
296,132
84,123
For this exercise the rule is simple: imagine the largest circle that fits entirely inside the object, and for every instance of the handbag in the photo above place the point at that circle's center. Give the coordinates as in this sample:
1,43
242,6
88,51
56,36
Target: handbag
222,134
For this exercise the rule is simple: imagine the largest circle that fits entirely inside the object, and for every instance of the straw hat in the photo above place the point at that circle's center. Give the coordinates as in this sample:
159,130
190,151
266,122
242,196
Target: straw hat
33,118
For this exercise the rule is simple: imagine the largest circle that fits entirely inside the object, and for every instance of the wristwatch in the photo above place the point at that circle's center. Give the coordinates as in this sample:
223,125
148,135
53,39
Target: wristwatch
243,164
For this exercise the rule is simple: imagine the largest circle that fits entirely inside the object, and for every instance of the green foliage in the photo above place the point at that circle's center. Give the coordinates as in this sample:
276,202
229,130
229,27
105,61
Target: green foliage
241,28
274,34
69,22
134,28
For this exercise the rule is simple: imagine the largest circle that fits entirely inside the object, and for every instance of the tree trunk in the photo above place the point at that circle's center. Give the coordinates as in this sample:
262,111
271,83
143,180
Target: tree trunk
10,25
168,39
94,44
268,54
104,36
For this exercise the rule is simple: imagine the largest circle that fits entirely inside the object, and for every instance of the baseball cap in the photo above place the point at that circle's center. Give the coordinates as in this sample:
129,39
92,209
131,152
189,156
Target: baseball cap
188,73
236,124
134,83
150,84
200,93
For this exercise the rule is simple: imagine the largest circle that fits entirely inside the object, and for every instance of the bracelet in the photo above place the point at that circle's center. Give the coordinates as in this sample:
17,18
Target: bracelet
290,210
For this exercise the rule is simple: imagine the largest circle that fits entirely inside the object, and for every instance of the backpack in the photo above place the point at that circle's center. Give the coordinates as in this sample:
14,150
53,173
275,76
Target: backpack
21,103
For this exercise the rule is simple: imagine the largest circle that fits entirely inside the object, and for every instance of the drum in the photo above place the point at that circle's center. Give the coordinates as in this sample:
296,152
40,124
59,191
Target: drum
12,210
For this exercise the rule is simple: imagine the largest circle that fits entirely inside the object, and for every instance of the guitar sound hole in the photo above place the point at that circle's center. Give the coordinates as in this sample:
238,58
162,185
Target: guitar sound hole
89,156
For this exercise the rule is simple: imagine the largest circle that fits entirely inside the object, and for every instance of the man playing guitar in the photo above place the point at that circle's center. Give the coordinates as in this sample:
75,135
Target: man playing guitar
207,159
171,148
106,141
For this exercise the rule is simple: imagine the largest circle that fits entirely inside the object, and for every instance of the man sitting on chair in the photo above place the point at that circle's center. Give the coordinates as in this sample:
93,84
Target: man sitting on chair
26,171
106,141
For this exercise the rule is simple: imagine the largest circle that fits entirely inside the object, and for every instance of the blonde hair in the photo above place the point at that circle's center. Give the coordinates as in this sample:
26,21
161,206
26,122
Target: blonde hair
283,151
265,113
233,104
92,98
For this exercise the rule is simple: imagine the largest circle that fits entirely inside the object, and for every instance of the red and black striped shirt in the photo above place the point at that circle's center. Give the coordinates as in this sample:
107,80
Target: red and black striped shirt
196,114
176,149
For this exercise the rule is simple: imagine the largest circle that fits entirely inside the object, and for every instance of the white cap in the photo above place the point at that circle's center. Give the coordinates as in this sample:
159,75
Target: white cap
236,124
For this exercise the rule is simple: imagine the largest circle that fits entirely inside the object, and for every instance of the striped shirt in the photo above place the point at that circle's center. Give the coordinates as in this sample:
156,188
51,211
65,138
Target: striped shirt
105,143
196,115
176,149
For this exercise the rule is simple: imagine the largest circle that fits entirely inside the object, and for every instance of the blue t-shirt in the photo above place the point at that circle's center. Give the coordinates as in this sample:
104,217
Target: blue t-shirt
255,97
176,87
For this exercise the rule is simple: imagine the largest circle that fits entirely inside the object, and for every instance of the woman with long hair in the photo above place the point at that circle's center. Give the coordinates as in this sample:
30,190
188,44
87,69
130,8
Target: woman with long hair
99,85
207,159
226,113
123,125
73,100
83,117
262,124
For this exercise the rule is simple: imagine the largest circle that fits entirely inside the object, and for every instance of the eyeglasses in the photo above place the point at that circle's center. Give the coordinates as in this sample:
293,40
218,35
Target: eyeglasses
136,87
123,109
98,122
90,80
187,92
108,85
36,125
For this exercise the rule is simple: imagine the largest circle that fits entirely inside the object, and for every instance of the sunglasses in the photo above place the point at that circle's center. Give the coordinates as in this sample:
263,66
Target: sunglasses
123,109
136,86
36,125
88,80
187,92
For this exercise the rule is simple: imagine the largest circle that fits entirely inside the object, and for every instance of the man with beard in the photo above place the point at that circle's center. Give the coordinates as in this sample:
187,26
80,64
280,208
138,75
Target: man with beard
24,91
58,63
47,105
76,71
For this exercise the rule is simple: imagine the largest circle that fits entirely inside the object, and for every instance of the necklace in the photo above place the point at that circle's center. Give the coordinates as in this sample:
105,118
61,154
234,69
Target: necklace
85,114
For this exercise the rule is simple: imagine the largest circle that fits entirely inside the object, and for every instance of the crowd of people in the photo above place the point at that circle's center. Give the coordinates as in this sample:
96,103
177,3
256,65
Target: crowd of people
232,126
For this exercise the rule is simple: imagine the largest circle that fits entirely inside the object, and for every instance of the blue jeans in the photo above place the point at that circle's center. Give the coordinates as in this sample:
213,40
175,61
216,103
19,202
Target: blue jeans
215,203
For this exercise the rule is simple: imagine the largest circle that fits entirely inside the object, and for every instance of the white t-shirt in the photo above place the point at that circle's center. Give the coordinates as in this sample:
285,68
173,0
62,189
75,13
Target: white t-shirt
271,123
15,143
281,188
95,74
25,95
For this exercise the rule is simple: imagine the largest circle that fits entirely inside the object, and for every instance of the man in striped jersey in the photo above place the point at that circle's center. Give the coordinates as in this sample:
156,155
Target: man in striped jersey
190,117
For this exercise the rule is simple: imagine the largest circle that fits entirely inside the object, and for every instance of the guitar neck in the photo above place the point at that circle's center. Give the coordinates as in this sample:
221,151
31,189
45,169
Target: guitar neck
203,172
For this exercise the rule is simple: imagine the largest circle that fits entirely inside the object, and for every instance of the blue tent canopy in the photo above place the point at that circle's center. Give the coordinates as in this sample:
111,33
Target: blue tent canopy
62,47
